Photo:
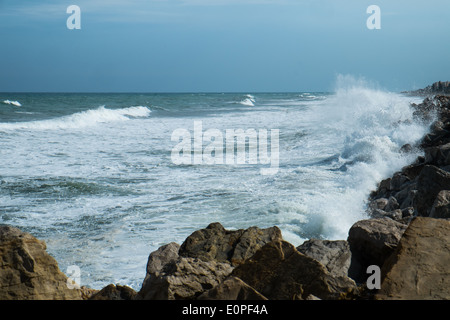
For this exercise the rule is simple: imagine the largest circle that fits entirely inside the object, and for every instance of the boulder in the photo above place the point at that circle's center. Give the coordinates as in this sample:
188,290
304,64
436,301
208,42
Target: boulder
280,272
157,260
441,205
28,272
114,292
334,255
232,288
419,269
185,278
430,182
371,242
217,243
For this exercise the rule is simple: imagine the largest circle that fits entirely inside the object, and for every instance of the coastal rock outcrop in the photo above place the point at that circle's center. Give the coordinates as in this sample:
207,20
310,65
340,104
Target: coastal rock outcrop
371,242
280,272
419,266
235,246
28,272
335,255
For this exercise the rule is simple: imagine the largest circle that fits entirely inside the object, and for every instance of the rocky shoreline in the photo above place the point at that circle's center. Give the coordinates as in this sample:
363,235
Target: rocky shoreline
406,237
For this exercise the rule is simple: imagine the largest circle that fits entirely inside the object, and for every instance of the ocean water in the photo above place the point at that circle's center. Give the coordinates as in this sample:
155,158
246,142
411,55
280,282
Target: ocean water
93,174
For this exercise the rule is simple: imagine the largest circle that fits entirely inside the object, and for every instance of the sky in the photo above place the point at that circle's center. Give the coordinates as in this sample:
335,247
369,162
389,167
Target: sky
220,45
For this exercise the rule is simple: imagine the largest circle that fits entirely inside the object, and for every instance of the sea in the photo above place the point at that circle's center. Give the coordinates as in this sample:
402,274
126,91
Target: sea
97,177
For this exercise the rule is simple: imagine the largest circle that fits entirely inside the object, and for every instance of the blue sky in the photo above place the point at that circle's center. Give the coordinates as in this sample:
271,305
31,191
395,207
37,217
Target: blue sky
220,45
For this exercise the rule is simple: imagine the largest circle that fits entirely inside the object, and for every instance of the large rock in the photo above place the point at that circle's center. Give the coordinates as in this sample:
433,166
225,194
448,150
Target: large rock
217,243
371,242
441,205
430,182
334,255
28,272
185,278
279,272
419,267
232,288
114,292
156,262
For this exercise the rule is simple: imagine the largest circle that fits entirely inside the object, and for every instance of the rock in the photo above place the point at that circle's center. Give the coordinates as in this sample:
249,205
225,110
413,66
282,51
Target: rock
437,87
380,203
419,267
406,148
430,182
441,205
397,181
409,201
334,255
163,255
392,204
217,243
185,278
396,215
371,242
114,292
413,170
28,272
280,272
232,288
438,155
158,259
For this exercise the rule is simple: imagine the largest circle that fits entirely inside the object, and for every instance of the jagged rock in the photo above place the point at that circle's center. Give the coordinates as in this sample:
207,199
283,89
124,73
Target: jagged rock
392,204
114,292
380,204
430,182
185,278
441,205
371,243
280,272
419,267
217,243
438,155
28,272
334,255
232,288
397,181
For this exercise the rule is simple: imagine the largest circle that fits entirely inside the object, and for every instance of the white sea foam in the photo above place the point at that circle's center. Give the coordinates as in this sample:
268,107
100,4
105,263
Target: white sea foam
248,101
14,103
365,129
82,119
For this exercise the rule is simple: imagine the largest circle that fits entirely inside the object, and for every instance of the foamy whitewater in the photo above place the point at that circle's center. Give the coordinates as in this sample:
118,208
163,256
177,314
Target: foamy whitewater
91,174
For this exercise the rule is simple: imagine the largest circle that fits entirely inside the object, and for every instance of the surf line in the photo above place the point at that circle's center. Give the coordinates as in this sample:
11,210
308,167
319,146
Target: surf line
230,151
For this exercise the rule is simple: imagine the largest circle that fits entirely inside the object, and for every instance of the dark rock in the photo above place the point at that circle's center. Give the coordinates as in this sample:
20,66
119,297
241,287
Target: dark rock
418,269
371,242
217,243
441,205
115,292
232,288
279,272
392,204
430,182
380,204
